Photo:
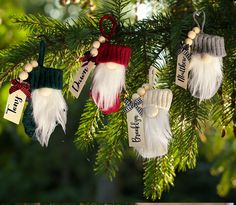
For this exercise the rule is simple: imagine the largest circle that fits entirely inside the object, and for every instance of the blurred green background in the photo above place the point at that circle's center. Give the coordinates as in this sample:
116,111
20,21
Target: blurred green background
30,173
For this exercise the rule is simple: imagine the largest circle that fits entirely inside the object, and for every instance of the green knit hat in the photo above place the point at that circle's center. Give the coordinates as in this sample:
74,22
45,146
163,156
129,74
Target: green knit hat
42,77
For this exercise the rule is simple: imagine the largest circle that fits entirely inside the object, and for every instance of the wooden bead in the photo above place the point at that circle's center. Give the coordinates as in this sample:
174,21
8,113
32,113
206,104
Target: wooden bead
23,75
96,44
141,91
34,64
102,39
191,34
45,91
146,86
196,30
188,41
28,67
94,52
135,96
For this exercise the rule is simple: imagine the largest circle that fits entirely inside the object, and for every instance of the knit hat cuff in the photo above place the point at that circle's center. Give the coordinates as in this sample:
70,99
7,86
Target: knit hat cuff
213,45
113,53
42,77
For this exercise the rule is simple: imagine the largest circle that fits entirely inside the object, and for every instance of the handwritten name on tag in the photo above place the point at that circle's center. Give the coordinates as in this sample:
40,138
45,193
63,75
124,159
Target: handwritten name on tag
14,107
135,129
81,77
182,68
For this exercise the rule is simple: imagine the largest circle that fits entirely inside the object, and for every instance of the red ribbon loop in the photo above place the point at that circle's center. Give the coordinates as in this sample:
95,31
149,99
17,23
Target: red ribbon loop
113,28
24,87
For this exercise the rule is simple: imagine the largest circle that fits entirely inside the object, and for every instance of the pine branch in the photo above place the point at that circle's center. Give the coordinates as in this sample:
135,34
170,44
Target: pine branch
90,123
116,8
39,23
158,176
112,140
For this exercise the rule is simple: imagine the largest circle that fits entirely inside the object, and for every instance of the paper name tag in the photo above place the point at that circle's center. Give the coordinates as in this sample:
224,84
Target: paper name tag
14,107
135,129
182,68
80,78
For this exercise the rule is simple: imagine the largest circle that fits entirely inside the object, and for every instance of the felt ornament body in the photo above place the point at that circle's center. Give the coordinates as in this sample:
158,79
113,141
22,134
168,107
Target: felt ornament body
47,107
206,74
157,130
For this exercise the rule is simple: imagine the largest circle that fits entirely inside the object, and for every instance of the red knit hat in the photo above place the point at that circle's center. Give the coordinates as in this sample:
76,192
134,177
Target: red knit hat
113,53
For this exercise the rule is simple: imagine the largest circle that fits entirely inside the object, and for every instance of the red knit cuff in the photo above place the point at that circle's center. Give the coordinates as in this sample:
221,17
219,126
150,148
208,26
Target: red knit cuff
114,53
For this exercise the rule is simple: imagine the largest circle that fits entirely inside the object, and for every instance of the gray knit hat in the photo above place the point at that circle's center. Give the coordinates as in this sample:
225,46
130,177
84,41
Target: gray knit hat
213,45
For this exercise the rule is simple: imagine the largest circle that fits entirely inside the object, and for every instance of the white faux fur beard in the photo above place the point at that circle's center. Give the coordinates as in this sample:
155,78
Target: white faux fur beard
157,135
48,111
205,75
108,82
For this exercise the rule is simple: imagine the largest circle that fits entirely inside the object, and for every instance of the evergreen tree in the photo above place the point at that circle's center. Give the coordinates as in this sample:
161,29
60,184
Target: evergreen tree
153,42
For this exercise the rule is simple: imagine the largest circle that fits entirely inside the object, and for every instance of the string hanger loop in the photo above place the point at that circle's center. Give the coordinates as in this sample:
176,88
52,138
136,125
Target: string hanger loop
152,76
112,32
196,15
41,53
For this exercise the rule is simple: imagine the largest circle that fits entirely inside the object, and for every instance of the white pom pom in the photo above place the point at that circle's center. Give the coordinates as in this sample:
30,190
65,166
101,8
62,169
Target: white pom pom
23,75
191,34
45,91
135,96
188,41
34,64
94,52
146,86
196,30
102,39
96,44
28,67
141,91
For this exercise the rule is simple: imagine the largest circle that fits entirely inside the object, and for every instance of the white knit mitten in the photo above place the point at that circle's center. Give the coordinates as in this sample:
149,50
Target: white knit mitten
156,123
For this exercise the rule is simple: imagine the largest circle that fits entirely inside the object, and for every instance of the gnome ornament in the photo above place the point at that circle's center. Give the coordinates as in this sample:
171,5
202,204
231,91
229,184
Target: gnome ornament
109,76
207,51
47,107
155,105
